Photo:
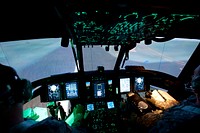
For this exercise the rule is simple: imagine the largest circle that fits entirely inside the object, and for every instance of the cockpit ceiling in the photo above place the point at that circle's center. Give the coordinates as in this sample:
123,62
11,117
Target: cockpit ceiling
99,22
111,28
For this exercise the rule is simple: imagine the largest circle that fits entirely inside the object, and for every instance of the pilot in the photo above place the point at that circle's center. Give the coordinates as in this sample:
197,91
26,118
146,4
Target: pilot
13,93
184,116
196,84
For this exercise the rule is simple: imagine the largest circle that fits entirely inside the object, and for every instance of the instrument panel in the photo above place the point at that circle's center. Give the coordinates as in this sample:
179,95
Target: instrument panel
101,92
91,86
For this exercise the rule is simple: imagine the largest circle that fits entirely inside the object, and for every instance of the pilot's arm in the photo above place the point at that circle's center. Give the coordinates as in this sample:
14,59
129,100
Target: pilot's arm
77,116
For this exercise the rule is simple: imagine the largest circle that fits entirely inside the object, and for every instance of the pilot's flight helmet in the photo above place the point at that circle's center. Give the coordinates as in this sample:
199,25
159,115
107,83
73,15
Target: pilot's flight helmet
12,88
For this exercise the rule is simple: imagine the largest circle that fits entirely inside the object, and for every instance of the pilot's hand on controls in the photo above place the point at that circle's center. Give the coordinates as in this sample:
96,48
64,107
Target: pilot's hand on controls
79,114
86,114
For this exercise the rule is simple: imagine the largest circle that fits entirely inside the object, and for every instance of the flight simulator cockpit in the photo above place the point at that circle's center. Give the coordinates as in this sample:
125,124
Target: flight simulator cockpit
102,92
109,55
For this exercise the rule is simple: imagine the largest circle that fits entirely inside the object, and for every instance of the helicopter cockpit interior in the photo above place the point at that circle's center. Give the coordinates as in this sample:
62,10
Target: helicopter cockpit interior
100,53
